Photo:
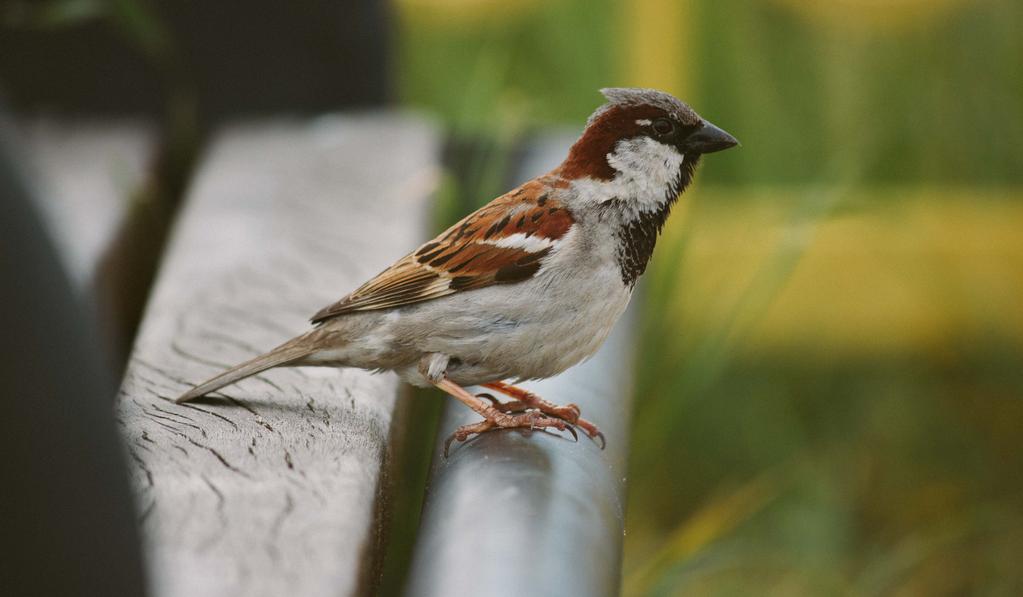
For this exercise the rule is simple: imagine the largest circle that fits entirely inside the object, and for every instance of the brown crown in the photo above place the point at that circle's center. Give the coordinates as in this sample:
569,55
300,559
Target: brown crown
616,120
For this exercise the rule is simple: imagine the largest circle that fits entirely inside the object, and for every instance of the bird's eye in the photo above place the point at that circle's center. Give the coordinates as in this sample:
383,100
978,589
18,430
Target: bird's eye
663,126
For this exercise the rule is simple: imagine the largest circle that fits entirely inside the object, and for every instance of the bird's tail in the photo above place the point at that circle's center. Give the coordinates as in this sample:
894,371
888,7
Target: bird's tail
285,354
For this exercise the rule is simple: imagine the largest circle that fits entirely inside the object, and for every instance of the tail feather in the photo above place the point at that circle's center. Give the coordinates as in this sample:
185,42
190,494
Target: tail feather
287,353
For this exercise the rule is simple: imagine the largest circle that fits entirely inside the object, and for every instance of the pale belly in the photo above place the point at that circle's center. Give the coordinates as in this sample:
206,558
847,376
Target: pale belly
532,330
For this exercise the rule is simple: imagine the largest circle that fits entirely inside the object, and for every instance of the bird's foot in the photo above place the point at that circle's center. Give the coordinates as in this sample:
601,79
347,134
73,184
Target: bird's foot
568,413
524,399
497,419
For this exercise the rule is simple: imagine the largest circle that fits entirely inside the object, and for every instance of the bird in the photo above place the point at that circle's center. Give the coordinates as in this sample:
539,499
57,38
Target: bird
526,286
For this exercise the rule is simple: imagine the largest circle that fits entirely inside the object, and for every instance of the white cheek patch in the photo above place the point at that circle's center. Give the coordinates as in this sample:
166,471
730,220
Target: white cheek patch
644,122
646,170
646,163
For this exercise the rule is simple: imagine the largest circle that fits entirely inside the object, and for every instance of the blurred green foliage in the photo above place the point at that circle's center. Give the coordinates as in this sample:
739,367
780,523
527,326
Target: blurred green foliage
830,376
830,382
543,63
932,98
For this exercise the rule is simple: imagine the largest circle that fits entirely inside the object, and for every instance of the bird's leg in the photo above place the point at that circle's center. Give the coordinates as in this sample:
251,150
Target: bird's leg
512,406
569,412
493,418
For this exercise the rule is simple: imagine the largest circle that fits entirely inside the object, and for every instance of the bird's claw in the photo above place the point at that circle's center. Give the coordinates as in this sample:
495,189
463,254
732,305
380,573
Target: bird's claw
592,431
527,421
527,414
447,444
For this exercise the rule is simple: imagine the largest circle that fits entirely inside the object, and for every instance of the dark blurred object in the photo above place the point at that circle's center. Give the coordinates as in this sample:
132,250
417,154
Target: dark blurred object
179,69
100,197
69,522
234,58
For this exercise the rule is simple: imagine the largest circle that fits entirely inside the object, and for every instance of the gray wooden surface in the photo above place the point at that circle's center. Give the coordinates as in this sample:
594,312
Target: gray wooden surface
508,515
275,488
85,175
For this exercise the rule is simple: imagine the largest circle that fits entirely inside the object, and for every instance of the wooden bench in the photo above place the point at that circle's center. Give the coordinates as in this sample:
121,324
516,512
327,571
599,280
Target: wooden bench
277,487
281,484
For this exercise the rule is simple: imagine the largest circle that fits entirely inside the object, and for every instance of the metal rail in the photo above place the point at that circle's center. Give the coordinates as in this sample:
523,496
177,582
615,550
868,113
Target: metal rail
511,515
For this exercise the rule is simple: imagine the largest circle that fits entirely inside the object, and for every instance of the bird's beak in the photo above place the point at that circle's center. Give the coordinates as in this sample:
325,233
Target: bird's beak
708,139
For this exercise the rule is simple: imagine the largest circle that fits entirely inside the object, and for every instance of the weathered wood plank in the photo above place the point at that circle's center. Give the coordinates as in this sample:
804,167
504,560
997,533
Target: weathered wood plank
86,174
272,490
508,515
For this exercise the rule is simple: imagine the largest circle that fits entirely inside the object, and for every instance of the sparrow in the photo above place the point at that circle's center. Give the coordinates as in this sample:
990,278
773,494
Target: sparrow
526,286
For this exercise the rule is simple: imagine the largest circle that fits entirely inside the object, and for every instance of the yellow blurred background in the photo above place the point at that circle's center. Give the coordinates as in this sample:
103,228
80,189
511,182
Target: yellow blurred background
830,383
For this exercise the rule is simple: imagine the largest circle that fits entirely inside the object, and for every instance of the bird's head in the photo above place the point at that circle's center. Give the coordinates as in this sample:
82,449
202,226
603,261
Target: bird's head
643,139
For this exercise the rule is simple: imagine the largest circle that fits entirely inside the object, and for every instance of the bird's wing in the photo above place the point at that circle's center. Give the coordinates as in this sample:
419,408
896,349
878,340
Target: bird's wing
503,242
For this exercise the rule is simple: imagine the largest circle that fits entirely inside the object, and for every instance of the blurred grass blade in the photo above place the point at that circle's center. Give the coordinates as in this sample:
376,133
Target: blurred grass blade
55,14
883,575
713,521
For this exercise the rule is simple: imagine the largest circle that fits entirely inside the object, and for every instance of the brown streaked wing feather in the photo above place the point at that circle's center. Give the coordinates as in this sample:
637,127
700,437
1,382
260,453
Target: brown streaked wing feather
405,282
465,256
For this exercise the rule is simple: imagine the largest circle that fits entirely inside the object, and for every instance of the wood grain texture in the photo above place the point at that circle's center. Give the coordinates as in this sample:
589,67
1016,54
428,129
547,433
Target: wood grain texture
274,488
85,174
